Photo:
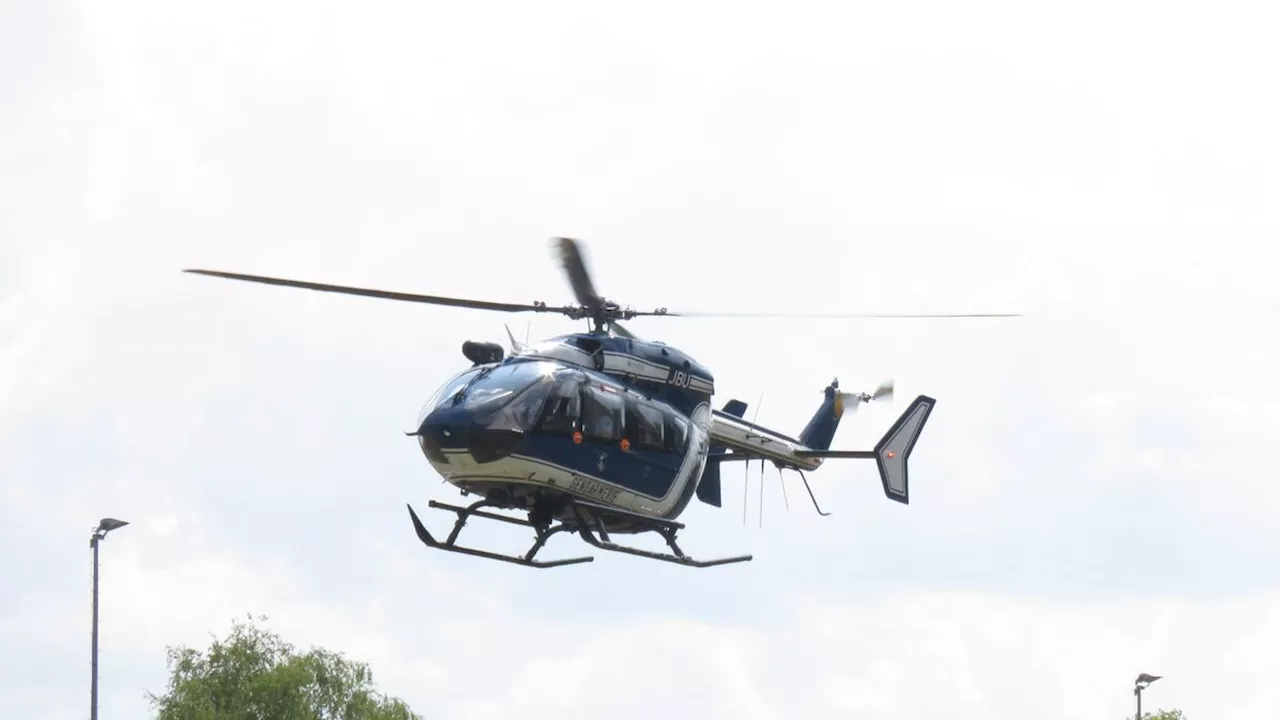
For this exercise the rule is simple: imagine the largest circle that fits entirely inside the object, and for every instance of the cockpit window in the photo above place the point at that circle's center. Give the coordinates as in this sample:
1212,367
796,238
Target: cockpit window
602,414
563,408
502,383
676,432
644,425
508,397
448,390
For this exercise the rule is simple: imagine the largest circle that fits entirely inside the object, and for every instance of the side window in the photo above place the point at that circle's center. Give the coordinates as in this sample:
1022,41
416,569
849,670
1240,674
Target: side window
677,431
644,425
602,413
563,408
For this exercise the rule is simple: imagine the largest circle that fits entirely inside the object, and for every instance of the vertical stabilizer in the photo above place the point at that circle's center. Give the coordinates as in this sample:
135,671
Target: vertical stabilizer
821,429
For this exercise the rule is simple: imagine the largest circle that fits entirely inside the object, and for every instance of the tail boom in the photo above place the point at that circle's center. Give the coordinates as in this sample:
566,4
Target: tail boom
734,439
749,441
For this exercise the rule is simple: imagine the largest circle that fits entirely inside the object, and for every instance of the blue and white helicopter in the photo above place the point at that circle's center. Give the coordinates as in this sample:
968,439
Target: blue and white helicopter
602,433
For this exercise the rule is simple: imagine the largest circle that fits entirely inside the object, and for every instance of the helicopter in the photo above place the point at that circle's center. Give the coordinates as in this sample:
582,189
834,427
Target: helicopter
603,433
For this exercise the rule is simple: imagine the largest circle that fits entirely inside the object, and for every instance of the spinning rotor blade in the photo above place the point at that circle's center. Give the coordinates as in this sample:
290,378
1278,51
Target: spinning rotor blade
830,315
579,279
603,313
620,331
384,294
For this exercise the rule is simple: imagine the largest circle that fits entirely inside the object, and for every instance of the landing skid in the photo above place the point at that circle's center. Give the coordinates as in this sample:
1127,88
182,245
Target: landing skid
587,524
474,511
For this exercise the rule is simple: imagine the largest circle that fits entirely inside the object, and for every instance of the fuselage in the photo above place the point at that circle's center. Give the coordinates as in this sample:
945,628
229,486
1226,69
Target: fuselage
614,421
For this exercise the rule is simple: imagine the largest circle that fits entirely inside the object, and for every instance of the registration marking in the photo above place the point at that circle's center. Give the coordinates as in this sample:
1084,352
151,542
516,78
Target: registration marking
592,488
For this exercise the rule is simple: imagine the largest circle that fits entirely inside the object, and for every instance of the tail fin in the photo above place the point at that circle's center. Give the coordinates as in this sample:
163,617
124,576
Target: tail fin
821,429
893,450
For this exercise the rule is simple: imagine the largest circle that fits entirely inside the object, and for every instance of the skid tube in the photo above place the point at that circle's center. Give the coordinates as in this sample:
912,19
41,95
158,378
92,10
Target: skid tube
587,524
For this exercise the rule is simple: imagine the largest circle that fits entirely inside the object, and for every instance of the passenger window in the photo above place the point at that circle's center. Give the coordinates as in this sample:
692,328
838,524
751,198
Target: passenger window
644,425
677,432
602,414
564,407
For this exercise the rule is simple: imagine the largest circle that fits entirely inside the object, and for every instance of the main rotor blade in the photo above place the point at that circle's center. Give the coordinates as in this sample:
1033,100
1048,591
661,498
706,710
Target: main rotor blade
384,294
576,268
828,315
621,331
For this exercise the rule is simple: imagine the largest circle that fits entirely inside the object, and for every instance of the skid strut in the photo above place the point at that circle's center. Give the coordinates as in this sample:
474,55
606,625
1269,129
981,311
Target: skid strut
543,534
666,528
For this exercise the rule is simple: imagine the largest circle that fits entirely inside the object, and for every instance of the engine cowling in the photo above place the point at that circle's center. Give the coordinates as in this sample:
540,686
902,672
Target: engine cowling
482,353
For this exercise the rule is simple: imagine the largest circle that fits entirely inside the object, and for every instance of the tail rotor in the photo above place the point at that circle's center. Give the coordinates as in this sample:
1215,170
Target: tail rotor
848,402
884,391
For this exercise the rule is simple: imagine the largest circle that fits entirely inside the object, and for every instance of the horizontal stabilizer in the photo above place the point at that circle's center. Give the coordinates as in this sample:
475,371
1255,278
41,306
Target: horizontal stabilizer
736,408
893,450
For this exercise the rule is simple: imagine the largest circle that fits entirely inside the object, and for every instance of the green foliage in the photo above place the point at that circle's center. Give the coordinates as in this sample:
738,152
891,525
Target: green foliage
254,675
1164,715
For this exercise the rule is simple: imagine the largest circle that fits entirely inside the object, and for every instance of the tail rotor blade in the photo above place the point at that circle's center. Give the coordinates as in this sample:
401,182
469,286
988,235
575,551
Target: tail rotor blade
884,391
850,401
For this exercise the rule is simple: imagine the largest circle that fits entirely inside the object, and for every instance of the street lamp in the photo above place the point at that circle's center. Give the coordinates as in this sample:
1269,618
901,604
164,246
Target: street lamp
105,525
1138,686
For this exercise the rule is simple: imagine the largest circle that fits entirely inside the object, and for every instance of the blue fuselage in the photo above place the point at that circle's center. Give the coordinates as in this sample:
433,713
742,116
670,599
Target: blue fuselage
545,423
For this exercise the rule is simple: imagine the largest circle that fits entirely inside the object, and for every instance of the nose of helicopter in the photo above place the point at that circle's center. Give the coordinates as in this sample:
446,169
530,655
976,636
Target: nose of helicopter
446,431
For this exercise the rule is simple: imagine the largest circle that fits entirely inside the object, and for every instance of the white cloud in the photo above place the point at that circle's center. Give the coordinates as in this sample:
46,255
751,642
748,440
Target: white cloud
1090,499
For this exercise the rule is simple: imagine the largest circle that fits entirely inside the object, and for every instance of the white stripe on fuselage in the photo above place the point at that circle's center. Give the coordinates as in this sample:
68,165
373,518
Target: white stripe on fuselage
614,362
632,365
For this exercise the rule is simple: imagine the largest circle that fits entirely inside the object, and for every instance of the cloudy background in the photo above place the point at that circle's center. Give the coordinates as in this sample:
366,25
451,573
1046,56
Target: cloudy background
1093,496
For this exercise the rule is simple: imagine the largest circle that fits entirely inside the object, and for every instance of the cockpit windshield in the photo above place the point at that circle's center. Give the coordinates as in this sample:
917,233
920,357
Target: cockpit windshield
447,391
498,386
510,397
551,399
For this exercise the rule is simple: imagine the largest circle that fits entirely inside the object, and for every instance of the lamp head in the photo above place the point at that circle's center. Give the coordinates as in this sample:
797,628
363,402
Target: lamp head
1144,680
106,525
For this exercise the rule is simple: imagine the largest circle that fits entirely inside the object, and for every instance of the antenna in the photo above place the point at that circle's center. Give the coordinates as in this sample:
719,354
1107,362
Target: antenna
783,484
761,503
746,475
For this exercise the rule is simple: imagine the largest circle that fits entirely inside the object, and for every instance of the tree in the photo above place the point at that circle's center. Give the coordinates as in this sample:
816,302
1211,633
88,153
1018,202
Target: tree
1164,715
254,675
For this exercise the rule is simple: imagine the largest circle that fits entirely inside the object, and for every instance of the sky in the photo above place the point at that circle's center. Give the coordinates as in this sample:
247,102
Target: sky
1092,498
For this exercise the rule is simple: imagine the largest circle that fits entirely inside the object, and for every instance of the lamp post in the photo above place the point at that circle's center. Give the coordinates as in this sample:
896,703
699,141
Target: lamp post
105,526
1138,686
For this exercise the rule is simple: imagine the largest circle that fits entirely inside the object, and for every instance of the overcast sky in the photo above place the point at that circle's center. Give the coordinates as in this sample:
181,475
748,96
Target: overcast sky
1092,498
